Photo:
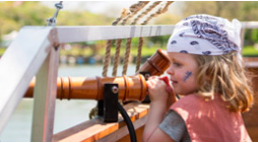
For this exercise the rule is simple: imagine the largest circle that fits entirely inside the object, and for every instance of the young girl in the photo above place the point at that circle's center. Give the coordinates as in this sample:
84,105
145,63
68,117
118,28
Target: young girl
206,70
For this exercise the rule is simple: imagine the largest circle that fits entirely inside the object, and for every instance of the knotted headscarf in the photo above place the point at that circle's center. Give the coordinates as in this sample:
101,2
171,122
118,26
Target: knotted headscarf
205,35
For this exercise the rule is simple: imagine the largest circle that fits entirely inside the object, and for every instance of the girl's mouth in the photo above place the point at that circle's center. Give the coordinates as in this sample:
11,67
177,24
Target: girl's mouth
174,82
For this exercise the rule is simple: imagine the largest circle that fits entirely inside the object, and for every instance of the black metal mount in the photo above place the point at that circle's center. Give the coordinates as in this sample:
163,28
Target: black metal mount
146,74
108,107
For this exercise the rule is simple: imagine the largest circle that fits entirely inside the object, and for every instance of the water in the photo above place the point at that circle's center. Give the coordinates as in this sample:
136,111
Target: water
67,113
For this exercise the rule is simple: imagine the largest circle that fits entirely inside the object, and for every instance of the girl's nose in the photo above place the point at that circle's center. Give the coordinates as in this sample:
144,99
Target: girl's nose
170,70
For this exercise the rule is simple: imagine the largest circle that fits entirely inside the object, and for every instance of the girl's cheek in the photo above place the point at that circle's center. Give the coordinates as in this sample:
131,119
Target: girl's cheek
187,75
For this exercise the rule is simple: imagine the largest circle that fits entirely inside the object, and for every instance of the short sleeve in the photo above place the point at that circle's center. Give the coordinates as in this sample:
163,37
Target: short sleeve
174,126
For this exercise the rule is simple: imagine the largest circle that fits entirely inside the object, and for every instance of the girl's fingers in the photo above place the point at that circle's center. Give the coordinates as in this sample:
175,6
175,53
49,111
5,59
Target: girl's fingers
152,83
152,77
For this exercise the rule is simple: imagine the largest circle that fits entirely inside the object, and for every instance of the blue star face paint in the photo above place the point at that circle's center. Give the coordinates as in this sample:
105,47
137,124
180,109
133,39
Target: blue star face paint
187,75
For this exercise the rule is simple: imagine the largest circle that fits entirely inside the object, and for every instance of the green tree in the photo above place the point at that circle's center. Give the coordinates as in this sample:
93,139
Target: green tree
241,10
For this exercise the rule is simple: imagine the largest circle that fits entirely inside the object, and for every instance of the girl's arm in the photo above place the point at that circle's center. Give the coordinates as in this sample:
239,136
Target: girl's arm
159,97
152,132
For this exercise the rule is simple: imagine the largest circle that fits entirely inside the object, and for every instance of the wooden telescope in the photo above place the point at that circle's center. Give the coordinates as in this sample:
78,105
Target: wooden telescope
129,87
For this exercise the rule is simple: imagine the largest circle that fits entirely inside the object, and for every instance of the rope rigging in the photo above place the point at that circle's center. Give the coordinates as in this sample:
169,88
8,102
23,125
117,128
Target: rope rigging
129,40
139,52
109,44
124,17
134,9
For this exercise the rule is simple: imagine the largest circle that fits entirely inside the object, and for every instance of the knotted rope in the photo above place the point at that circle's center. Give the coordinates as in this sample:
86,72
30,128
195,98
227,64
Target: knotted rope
159,11
129,40
139,53
134,9
124,13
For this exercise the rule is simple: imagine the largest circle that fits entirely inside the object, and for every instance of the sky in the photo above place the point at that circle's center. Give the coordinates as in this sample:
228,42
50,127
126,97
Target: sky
111,8
92,6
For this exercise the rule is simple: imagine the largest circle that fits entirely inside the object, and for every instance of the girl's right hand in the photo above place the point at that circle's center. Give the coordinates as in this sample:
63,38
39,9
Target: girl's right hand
161,91
170,90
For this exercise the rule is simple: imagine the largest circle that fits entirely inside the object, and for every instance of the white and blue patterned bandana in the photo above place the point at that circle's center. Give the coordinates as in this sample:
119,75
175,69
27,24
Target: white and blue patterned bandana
205,35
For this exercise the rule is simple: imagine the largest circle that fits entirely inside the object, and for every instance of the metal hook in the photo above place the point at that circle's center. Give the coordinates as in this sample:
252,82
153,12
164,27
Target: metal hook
52,20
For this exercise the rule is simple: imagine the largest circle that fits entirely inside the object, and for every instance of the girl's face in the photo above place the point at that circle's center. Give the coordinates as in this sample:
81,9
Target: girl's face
183,72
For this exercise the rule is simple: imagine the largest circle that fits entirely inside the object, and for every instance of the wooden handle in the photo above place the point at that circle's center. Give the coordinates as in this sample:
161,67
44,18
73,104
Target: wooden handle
156,64
130,87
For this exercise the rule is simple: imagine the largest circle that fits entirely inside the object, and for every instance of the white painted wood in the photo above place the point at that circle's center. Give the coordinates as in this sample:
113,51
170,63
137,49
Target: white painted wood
242,37
91,33
44,99
19,64
250,25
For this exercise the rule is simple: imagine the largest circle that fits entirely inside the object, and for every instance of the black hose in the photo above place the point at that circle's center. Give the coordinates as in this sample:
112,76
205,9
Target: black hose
128,123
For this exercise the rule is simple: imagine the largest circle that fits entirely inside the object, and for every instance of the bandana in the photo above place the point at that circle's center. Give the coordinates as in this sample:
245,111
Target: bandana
205,35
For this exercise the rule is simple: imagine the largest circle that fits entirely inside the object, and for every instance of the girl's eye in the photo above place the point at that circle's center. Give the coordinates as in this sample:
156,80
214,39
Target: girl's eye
177,64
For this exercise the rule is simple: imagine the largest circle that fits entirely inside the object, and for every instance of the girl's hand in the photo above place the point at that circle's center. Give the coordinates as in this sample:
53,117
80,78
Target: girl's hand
172,96
160,90
157,90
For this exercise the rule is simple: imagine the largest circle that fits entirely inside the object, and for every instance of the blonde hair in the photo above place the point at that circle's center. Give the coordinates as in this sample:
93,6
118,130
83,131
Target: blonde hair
224,75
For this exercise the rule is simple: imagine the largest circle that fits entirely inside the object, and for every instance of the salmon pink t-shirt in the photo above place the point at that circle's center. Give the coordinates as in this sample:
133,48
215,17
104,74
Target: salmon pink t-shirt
210,121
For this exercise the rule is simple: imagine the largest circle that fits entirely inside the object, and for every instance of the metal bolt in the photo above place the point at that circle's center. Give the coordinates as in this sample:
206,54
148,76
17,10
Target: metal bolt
115,89
59,5
147,76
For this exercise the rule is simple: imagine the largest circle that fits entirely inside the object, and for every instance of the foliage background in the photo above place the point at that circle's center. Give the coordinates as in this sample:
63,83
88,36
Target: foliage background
14,15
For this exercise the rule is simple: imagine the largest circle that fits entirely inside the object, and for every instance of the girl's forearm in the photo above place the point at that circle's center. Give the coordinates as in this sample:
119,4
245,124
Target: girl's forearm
155,117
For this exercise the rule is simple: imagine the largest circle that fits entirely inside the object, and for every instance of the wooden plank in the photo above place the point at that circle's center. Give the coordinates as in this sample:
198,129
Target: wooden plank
139,133
44,99
91,33
20,62
250,25
122,132
242,38
95,130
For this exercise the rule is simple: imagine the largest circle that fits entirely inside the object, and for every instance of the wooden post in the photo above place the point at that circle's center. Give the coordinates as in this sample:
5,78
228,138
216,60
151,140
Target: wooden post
44,99
20,62
242,36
